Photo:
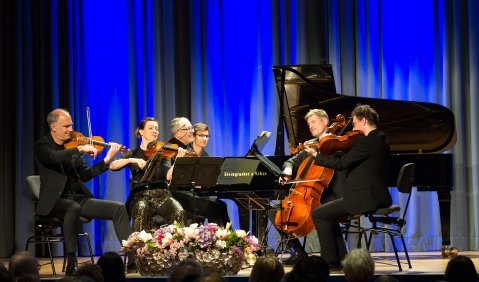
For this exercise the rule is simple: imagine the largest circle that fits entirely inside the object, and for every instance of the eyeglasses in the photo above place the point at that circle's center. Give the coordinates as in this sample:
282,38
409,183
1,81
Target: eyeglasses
188,128
203,136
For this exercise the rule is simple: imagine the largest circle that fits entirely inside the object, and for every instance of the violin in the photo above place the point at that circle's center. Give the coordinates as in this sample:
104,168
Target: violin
98,142
166,149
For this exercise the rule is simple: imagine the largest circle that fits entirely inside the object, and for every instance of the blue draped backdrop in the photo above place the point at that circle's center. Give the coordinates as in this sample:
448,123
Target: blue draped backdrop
211,61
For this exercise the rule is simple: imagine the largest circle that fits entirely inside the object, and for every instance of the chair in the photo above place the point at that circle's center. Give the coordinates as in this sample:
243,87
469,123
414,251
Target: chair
46,225
387,221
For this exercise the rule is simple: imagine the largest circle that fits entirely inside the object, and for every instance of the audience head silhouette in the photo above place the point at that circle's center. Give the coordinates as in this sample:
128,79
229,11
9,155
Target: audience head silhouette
358,266
92,271
23,266
3,273
267,269
313,268
186,271
460,268
112,267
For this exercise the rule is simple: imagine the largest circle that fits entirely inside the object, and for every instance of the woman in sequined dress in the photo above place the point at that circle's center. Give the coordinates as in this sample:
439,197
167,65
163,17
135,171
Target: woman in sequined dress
153,204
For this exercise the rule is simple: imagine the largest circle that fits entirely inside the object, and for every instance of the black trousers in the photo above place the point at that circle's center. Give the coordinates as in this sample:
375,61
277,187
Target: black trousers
70,210
208,207
326,218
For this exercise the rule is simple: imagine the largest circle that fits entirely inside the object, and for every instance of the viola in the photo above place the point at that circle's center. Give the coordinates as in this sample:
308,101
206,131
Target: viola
340,122
98,142
168,150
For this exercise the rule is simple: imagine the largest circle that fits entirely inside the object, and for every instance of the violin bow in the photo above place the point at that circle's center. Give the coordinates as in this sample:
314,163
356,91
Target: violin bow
90,135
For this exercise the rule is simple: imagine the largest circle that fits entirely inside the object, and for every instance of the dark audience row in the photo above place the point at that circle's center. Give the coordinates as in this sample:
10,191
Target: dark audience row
358,266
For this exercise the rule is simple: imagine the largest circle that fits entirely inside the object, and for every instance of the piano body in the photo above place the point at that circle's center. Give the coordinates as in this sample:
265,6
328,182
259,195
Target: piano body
418,132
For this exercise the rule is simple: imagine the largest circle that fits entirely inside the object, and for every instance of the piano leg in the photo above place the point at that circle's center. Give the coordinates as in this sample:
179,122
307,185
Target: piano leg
445,213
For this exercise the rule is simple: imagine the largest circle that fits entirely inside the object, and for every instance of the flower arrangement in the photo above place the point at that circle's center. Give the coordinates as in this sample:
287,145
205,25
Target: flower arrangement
211,245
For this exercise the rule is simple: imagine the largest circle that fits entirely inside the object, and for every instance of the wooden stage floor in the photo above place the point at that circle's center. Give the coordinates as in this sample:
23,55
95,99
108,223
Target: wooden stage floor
426,266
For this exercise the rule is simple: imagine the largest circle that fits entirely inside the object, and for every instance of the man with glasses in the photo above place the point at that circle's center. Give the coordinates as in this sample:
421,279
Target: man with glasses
197,208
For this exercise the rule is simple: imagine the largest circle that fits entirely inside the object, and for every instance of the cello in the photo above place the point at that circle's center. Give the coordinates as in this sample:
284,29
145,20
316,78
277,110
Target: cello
294,217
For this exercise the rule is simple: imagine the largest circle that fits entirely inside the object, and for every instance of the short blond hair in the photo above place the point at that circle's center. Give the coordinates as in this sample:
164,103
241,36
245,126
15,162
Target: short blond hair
318,112
358,265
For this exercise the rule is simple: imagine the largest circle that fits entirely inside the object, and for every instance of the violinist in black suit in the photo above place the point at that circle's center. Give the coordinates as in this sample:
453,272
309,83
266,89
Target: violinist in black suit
365,189
62,192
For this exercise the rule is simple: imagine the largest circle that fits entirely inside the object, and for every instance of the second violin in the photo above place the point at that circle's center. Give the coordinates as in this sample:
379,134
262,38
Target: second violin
166,149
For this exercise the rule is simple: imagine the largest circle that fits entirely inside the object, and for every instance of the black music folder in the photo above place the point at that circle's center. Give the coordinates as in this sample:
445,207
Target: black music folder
255,150
196,172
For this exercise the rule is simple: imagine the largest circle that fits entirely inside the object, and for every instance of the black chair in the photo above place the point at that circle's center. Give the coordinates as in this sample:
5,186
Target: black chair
45,226
387,221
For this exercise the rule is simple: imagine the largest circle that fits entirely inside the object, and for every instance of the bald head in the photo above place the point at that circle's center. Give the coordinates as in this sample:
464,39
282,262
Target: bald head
61,125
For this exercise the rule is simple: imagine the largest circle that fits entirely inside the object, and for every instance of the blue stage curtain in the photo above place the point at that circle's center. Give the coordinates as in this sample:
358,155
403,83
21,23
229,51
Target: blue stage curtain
417,51
211,61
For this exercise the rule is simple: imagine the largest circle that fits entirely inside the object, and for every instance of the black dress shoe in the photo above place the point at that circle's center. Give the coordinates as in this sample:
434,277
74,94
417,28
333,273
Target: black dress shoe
72,265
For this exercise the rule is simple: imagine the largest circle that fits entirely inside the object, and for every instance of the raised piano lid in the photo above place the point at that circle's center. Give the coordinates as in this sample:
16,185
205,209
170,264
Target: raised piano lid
411,127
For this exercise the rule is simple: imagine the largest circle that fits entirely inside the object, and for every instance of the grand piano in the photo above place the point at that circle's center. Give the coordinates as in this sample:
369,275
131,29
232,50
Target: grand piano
418,132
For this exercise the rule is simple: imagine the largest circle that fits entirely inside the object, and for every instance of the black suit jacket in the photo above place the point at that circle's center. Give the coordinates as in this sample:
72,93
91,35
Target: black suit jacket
50,163
366,166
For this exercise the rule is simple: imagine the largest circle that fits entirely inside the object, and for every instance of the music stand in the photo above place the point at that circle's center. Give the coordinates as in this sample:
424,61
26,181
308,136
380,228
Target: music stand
196,172
151,167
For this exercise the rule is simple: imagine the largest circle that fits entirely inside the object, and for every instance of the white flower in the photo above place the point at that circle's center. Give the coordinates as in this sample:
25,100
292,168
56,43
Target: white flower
222,233
167,240
241,233
125,243
145,236
190,233
221,244
228,226
194,225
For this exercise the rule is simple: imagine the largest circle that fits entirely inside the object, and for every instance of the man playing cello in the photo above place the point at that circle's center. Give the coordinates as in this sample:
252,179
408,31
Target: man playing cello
318,122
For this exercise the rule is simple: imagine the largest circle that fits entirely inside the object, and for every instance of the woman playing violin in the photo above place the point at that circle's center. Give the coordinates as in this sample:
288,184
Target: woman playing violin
144,204
318,122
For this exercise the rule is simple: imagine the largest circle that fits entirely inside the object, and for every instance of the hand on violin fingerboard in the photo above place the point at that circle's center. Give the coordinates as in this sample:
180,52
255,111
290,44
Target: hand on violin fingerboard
88,149
114,149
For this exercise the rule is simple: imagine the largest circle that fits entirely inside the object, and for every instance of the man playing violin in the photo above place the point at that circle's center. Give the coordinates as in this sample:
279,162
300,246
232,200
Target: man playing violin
149,205
215,210
62,192
318,122
365,188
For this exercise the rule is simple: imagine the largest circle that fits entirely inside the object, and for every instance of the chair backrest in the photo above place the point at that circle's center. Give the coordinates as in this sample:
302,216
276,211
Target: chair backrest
404,184
33,187
406,178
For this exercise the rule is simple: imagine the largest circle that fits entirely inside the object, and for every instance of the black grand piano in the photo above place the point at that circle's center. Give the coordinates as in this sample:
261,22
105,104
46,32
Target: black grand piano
418,132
